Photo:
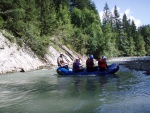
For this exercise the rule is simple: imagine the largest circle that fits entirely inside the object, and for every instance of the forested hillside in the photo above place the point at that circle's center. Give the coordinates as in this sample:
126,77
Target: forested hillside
74,23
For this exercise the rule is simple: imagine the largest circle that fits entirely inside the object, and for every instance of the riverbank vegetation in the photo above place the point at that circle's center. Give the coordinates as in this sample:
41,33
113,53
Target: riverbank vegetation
74,23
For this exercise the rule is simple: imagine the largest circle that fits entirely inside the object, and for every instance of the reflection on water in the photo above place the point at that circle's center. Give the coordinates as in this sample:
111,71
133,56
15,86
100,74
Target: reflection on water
43,91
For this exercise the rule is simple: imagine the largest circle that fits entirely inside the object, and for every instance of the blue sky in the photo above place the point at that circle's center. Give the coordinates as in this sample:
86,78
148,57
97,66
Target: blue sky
137,10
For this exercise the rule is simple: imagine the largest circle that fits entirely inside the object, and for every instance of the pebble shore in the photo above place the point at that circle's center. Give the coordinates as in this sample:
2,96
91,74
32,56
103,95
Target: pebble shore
140,65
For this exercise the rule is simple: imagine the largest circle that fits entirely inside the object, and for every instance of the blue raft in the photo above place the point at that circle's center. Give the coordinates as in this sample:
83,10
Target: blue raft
111,70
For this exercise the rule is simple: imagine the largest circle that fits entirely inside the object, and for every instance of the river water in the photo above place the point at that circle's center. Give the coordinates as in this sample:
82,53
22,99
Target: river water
43,91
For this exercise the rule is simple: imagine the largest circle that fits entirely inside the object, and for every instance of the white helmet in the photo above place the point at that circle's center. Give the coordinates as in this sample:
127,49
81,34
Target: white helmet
77,59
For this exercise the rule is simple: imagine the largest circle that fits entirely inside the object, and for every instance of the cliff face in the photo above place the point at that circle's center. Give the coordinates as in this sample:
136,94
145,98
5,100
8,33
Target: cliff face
14,58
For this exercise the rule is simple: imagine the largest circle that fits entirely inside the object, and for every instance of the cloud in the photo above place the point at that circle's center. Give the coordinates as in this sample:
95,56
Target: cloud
129,16
101,15
128,12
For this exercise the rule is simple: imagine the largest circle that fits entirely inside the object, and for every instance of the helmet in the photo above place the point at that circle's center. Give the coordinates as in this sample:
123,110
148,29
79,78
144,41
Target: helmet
77,59
61,53
91,56
104,57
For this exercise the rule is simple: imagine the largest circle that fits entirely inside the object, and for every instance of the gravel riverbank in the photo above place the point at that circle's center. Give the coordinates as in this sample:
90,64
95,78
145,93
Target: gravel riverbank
140,65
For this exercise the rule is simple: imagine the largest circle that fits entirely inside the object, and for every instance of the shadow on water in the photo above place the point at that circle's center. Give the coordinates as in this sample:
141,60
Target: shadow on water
87,90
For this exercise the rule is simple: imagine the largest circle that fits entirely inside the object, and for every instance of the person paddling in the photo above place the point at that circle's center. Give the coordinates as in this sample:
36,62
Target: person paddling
102,63
60,61
77,67
90,64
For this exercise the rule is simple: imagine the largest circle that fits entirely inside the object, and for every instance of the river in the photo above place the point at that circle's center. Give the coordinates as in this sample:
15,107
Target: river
43,91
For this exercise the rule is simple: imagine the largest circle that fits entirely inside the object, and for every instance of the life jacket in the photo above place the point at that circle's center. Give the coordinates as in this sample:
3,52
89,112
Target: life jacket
89,63
76,65
102,63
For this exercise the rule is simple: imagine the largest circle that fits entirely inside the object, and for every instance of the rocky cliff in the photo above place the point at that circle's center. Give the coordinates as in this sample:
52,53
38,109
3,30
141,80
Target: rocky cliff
14,58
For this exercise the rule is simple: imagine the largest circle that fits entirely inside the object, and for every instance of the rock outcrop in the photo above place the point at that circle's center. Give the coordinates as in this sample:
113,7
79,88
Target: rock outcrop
141,65
14,58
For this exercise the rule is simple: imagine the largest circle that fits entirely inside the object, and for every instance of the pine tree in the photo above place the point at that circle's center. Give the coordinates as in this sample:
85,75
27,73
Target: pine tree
65,29
134,35
145,33
107,16
13,14
126,39
47,16
123,45
116,22
140,45
131,47
116,28
109,41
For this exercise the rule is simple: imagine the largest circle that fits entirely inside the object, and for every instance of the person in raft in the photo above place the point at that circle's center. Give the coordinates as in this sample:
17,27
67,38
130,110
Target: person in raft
90,65
60,61
77,67
102,64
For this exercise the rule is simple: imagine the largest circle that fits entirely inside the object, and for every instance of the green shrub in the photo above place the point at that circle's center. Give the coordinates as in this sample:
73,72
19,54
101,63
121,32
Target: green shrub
19,42
1,22
10,37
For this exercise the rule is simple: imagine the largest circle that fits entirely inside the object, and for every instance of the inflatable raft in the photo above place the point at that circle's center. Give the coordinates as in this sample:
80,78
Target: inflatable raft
113,68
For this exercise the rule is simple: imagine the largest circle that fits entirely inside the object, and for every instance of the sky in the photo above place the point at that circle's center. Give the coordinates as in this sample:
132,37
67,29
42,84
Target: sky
137,10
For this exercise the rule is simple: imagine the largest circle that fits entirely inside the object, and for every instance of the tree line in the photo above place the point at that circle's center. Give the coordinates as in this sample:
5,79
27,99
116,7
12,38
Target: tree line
76,24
